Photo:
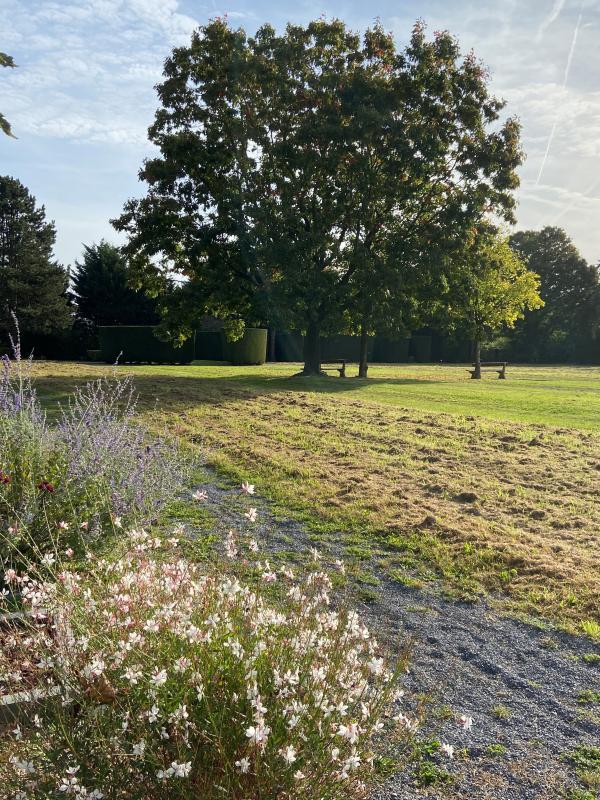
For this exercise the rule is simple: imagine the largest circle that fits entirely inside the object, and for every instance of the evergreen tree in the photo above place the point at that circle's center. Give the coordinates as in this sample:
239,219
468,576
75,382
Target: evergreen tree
101,291
32,284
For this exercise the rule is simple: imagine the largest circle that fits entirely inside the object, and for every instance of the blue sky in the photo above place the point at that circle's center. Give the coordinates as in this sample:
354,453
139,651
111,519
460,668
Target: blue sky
82,98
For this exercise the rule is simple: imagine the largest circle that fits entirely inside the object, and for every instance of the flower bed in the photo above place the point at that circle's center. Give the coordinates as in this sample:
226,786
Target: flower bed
174,681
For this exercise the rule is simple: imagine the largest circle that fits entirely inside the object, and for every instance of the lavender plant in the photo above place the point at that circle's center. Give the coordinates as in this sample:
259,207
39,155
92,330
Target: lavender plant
95,469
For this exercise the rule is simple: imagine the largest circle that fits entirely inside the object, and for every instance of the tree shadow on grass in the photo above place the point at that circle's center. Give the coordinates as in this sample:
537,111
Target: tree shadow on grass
174,389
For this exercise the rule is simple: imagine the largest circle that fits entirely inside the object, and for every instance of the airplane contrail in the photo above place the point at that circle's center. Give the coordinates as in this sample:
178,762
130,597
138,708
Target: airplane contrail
552,16
564,83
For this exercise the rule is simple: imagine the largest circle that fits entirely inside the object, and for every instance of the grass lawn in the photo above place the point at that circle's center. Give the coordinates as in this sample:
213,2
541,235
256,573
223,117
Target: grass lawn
491,485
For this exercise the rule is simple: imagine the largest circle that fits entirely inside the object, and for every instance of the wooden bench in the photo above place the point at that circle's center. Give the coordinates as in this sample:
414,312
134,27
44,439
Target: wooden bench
341,369
491,366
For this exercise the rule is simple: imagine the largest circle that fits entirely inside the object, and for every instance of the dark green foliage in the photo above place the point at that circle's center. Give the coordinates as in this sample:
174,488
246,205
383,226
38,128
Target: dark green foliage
568,327
420,347
6,61
102,292
391,351
137,343
250,349
32,285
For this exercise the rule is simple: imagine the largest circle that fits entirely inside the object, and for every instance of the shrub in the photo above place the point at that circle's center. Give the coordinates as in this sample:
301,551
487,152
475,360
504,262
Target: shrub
178,681
61,485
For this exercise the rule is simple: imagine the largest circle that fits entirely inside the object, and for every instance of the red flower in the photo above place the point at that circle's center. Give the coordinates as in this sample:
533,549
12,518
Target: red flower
4,478
45,486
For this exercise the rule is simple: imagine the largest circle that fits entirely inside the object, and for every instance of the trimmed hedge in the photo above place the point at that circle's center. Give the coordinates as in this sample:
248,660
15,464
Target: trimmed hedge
391,351
420,348
138,344
210,346
250,349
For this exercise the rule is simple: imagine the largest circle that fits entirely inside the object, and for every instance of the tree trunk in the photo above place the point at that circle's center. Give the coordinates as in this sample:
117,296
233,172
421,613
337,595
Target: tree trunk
312,350
363,364
477,371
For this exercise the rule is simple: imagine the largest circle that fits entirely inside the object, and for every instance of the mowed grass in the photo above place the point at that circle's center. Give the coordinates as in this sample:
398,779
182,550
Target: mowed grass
490,486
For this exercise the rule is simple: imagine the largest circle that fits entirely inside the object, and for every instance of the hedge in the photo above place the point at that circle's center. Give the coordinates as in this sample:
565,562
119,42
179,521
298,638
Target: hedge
250,349
420,348
138,344
391,351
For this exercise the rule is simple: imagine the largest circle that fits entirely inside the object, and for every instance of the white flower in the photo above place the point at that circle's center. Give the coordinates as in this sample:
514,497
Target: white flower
231,587
251,515
138,749
350,732
447,749
375,666
258,733
288,754
247,488
48,559
63,526
298,776
352,763
25,767
159,678
253,546
96,794
153,714
181,770
117,522
466,723
243,764
200,495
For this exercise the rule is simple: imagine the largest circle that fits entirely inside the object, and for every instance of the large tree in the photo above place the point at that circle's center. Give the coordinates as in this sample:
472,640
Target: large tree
32,284
492,289
300,174
6,61
568,327
101,290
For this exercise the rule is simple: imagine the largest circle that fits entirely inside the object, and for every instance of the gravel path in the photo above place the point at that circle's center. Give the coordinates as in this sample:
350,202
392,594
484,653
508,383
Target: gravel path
518,683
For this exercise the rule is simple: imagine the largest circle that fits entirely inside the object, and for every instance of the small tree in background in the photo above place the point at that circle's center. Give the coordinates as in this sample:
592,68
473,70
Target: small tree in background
6,61
492,289
33,285
101,291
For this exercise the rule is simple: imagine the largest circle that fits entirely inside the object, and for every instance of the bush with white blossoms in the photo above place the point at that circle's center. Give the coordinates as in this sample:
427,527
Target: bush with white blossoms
174,680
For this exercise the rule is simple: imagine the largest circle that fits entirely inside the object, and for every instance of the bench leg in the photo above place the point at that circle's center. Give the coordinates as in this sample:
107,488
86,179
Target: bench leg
342,371
502,375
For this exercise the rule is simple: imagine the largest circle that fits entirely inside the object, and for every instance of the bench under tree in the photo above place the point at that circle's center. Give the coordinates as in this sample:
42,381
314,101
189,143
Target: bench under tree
490,366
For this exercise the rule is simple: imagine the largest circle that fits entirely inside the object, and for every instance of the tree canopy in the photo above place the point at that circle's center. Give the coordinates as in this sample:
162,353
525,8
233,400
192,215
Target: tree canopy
32,284
303,175
568,327
101,292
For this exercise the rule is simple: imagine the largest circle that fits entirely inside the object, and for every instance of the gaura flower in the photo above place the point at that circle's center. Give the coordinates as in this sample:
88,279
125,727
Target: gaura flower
288,754
466,723
251,515
447,749
200,495
247,488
